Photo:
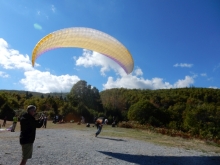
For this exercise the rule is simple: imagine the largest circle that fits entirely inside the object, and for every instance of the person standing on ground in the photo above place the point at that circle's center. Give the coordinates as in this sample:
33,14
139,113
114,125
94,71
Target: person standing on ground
4,122
95,118
106,121
45,122
28,132
82,120
15,120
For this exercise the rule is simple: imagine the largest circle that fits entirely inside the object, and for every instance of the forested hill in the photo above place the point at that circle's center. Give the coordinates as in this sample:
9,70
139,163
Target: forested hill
194,110
176,100
162,97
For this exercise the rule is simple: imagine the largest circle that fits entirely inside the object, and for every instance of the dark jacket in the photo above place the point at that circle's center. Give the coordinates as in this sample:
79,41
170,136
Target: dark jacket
28,128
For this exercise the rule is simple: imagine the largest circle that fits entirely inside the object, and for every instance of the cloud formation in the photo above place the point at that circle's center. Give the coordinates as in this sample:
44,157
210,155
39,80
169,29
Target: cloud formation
3,74
53,8
37,26
214,87
203,74
131,81
34,79
12,59
135,82
183,65
46,82
216,67
90,59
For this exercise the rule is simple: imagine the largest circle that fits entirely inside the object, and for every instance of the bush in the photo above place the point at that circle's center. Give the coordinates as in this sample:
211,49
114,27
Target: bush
125,124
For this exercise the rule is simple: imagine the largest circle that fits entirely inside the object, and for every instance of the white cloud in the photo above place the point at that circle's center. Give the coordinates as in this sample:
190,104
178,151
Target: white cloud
3,74
216,67
132,81
37,26
90,59
12,59
183,65
184,83
203,74
213,87
138,72
75,58
194,75
45,82
53,8
34,80
41,14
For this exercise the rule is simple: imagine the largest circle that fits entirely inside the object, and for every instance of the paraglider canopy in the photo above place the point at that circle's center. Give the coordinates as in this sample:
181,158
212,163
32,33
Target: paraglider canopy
89,39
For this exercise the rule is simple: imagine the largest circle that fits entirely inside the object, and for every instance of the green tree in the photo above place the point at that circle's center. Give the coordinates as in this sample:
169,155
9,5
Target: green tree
81,93
141,111
6,110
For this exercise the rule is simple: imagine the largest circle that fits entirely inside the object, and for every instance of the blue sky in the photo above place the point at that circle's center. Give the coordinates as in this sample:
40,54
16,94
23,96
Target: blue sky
174,44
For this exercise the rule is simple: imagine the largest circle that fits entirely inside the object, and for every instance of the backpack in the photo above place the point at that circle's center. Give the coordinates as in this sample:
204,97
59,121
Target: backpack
100,120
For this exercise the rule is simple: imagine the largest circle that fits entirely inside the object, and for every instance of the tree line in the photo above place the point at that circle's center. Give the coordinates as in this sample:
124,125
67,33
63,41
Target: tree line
193,110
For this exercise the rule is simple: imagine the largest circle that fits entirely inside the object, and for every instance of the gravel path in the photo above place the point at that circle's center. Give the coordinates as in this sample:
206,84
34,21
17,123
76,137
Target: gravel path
73,147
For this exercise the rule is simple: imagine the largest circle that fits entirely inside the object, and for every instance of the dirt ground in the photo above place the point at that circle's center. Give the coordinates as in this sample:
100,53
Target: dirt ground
144,135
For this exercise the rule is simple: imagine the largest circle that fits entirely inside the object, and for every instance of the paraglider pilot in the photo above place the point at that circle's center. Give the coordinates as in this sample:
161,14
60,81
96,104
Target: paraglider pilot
99,124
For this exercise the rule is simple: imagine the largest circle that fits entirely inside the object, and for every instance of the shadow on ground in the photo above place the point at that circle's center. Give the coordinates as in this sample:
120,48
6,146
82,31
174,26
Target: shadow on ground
165,160
111,139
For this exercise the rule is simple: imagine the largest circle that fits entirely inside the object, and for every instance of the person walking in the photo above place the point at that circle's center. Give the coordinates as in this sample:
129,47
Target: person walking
15,120
28,132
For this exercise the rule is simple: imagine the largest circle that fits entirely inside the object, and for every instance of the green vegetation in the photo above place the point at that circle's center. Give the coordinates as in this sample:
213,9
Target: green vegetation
194,112
187,112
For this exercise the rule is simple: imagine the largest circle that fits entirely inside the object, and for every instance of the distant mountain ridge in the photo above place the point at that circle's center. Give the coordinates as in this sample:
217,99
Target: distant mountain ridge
35,93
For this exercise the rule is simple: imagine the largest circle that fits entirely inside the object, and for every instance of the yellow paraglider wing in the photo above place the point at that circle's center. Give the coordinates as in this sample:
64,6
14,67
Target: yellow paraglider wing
89,39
